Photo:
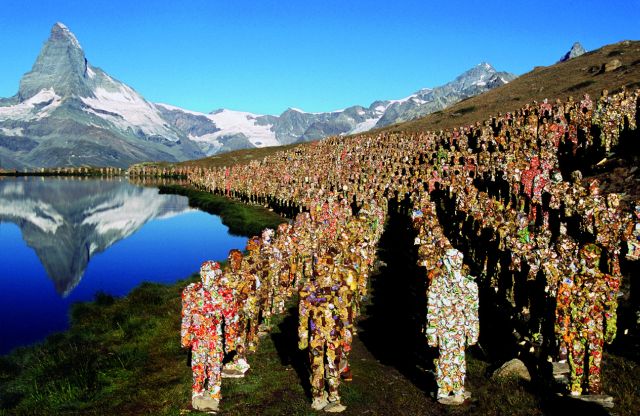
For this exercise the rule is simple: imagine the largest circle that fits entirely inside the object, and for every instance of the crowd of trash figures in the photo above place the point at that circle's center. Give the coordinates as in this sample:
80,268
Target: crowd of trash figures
498,205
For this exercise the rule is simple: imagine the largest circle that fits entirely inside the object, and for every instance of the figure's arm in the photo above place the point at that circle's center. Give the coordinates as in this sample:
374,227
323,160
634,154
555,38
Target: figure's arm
303,324
230,315
562,304
432,315
185,329
610,307
473,321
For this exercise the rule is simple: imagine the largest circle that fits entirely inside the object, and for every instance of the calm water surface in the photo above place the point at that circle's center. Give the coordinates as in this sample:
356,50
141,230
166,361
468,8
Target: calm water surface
63,240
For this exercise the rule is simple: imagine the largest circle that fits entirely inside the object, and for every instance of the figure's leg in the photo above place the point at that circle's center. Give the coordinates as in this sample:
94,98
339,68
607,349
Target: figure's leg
595,360
332,374
241,341
443,367
252,332
316,356
576,366
214,366
343,366
333,352
458,367
198,361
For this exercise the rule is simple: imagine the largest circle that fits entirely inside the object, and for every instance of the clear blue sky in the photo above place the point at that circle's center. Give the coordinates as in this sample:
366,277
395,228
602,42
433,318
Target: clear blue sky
264,56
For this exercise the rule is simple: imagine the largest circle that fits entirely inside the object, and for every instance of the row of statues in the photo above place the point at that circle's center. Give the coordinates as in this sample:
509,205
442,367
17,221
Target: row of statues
493,194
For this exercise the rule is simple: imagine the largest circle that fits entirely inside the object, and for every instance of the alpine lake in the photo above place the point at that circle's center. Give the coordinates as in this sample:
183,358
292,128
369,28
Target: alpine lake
64,240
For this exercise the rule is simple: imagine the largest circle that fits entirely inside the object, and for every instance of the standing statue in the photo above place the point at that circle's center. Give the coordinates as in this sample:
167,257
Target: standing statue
321,329
205,305
591,297
236,330
452,324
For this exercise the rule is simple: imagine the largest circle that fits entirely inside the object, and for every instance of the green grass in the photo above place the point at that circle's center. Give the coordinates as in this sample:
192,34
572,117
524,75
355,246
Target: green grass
241,219
120,354
122,357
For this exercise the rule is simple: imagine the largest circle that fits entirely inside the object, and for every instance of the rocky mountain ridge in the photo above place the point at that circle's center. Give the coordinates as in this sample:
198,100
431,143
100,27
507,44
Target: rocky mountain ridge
68,112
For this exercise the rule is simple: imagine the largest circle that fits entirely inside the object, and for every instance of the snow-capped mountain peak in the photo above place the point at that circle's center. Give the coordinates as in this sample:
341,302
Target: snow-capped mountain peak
64,100
61,31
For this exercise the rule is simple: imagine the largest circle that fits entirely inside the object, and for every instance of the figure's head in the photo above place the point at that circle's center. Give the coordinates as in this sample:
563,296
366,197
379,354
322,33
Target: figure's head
210,273
235,259
590,255
267,235
594,187
535,162
253,243
556,176
283,228
453,259
613,200
566,247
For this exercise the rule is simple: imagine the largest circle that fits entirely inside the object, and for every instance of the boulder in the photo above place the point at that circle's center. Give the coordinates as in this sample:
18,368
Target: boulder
513,369
612,65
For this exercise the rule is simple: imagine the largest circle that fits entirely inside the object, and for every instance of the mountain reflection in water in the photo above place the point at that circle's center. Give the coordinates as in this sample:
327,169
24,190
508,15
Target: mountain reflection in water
72,226
66,221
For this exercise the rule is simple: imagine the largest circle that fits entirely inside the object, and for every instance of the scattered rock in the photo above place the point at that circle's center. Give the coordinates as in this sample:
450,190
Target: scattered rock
560,368
561,372
612,65
601,399
513,369
594,69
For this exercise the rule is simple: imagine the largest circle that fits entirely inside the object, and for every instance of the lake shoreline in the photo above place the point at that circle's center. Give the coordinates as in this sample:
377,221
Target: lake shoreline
242,219
108,335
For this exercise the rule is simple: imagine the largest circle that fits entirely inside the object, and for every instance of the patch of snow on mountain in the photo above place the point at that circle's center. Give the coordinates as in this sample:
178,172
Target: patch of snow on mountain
131,109
174,108
24,110
233,122
368,124
208,143
70,35
380,109
403,100
306,112
18,131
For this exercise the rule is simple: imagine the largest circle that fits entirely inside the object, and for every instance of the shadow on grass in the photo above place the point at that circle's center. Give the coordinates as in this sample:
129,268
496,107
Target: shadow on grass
392,323
286,344
561,406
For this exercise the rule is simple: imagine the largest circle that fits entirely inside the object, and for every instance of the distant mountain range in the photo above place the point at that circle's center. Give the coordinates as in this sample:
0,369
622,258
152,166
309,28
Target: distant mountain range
70,113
